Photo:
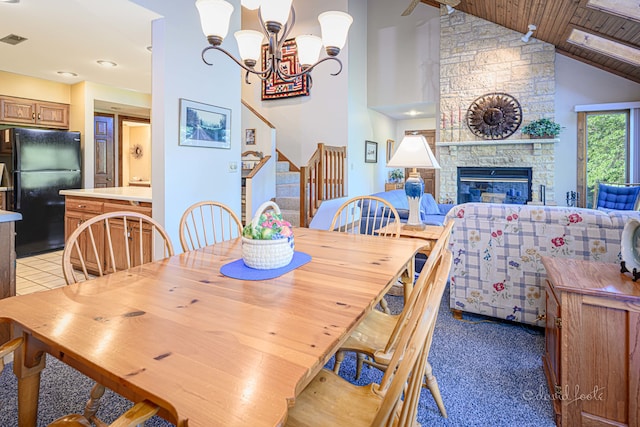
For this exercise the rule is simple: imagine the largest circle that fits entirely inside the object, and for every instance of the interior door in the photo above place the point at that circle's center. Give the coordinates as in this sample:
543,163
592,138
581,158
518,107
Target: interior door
104,151
428,175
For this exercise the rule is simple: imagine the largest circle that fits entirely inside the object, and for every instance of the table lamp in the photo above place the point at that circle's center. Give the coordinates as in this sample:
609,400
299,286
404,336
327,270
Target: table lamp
414,152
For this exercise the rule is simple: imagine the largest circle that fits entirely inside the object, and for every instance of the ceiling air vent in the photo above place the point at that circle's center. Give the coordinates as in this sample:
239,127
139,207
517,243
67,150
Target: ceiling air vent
13,39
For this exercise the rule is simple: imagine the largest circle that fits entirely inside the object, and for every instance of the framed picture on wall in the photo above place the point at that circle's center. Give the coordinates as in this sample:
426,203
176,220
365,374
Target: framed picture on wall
390,148
203,125
250,136
370,152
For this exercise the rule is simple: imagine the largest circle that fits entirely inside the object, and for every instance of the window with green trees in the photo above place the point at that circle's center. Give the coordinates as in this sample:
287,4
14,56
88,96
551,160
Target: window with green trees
607,149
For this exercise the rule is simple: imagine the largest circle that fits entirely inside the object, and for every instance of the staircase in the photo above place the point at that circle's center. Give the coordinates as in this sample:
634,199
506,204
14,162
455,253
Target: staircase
288,193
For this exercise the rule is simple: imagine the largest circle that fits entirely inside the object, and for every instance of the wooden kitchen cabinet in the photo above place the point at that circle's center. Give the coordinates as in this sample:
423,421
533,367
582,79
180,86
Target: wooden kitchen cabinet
79,209
592,340
34,113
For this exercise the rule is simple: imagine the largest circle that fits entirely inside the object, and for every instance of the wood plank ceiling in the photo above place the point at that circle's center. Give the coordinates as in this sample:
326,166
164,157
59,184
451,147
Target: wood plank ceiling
613,20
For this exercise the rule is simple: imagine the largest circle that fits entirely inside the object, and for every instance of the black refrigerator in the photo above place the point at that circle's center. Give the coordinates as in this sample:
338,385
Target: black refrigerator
40,164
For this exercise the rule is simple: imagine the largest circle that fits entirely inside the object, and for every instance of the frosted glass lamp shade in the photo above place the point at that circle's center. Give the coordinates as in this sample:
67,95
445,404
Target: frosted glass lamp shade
251,4
335,27
414,152
249,44
308,49
214,17
275,10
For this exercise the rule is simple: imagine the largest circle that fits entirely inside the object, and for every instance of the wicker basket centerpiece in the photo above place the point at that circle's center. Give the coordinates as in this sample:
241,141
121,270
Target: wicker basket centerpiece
267,241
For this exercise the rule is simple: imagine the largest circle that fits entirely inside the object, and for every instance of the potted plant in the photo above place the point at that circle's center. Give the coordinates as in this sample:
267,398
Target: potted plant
397,175
542,128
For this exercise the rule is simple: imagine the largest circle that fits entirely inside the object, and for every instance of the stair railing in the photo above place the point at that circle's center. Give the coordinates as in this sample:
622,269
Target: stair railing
323,178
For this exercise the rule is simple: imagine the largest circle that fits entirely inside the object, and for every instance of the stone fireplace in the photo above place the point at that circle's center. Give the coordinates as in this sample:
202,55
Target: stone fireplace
478,57
536,154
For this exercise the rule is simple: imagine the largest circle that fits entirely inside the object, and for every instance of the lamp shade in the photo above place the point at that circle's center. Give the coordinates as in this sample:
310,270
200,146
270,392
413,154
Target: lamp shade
275,10
335,27
249,44
214,17
414,152
308,48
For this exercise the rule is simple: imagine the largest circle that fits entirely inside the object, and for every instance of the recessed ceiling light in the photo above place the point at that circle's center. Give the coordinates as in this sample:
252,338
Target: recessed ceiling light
67,74
107,64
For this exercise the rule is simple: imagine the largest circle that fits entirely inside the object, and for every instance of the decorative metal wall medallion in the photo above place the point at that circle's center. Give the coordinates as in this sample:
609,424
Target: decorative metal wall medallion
494,116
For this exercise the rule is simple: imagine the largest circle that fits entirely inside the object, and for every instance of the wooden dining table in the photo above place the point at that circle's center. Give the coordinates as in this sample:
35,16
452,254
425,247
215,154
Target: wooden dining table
210,350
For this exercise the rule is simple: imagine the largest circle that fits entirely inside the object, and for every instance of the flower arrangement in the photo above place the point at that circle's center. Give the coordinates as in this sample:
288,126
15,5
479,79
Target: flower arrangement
270,226
396,175
542,128
267,241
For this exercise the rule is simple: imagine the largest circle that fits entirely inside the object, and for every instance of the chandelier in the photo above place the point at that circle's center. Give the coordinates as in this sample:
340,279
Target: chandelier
277,18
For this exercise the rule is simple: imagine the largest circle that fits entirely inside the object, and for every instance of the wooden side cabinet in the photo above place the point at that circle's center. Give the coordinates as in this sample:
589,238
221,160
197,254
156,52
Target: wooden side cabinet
80,209
388,186
34,113
592,343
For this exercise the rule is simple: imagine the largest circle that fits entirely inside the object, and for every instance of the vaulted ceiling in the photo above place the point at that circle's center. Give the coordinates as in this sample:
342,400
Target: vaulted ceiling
616,21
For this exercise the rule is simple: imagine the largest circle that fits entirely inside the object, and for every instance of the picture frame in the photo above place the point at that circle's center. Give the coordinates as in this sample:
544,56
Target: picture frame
250,137
370,152
391,144
204,125
275,88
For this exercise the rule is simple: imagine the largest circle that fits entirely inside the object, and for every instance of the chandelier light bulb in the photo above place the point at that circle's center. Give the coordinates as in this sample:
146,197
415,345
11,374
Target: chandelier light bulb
249,44
275,11
309,48
214,19
335,27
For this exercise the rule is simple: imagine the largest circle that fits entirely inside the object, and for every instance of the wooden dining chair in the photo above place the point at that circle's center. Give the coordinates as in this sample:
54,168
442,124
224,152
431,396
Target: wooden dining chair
375,338
136,416
331,400
8,348
206,223
365,215
130,239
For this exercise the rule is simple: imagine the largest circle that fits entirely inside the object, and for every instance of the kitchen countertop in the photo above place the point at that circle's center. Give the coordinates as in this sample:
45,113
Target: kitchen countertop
8,216
134,194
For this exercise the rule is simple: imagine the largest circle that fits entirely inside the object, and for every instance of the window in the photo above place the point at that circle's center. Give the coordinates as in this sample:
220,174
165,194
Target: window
606,147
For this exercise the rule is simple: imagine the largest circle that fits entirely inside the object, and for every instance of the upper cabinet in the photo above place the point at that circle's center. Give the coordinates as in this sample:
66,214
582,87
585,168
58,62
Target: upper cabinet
35,113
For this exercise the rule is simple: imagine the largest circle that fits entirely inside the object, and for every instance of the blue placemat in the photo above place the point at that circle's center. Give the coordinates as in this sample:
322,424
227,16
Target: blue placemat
238,269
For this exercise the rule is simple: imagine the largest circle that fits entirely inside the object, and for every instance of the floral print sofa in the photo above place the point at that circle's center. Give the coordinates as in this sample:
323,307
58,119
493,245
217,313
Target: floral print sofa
497,248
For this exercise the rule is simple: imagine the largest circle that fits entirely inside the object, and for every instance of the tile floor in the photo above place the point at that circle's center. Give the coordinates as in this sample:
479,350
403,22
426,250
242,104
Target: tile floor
39,273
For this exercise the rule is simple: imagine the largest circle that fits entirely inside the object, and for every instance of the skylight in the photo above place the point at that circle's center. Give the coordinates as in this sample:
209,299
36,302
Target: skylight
603,46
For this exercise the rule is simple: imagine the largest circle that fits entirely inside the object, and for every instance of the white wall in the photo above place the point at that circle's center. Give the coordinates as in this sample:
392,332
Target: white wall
183,175
579,84
403,54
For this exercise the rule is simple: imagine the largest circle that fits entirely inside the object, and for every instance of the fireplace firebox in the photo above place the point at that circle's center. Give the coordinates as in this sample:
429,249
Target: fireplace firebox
494,185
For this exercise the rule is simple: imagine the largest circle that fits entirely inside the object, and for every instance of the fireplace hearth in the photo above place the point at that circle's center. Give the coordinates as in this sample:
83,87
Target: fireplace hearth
510,185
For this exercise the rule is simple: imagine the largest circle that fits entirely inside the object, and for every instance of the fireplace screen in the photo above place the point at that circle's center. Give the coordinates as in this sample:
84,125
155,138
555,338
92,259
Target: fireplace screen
494,185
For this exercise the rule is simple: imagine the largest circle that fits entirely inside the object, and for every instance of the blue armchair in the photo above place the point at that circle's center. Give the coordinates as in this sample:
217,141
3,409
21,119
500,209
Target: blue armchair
621,197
